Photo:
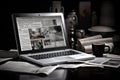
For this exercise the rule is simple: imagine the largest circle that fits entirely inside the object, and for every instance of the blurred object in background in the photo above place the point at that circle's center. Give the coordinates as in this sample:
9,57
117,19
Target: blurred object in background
84,14
105,31
71,24
80,33
57,7
94,18
107,17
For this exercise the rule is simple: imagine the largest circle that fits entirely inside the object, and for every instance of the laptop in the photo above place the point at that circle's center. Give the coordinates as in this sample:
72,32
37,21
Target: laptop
42,39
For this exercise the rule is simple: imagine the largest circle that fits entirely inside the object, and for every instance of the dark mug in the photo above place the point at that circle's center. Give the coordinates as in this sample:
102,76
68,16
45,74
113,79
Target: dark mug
98,49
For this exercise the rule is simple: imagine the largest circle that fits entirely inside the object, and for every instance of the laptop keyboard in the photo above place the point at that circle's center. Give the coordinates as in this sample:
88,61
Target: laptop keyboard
50,55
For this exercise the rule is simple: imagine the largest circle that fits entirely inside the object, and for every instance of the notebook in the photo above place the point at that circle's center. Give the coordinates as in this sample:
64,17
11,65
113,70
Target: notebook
42,39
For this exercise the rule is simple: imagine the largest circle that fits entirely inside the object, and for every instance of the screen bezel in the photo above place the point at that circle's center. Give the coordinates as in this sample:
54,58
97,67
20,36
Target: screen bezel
15,15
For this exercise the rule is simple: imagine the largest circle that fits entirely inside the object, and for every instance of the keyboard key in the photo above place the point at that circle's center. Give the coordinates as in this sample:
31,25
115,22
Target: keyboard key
50,55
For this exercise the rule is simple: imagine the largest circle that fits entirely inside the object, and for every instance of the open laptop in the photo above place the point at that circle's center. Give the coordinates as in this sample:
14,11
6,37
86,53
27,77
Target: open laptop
42,39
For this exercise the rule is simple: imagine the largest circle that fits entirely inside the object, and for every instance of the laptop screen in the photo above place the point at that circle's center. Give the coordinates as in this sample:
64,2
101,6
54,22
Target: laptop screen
39,31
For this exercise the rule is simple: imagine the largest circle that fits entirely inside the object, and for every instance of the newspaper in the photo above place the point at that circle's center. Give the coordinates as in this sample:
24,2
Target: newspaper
88,42
85,44
107,61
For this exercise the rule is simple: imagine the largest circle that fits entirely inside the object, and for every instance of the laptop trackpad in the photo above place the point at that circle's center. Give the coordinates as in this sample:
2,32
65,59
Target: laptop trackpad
55,60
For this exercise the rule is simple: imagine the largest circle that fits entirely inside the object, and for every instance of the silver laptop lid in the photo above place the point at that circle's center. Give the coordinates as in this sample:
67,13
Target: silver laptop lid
36,32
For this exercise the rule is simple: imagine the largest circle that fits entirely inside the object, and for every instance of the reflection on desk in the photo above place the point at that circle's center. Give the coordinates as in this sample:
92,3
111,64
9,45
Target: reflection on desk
59,74
56,75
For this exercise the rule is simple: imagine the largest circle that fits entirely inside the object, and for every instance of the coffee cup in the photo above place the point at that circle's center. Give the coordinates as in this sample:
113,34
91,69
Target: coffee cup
98,49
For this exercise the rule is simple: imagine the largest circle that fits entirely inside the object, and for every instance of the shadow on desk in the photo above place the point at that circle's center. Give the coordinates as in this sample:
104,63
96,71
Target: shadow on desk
56,75
94,74
59,74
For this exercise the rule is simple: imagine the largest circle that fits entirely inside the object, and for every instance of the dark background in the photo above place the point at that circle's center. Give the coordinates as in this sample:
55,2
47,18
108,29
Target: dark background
7,8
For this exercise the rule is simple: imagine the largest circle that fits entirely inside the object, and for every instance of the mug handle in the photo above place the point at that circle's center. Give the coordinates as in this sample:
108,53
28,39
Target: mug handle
108,49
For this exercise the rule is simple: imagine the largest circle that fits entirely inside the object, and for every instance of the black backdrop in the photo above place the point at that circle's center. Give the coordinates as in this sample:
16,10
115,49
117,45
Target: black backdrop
7,40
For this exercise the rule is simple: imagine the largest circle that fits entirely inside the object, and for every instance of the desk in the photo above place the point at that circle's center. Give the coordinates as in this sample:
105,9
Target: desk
70,74
91,73
59,74
94,74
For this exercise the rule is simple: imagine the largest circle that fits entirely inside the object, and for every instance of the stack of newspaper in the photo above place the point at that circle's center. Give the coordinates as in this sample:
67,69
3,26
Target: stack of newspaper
109,60
85,44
